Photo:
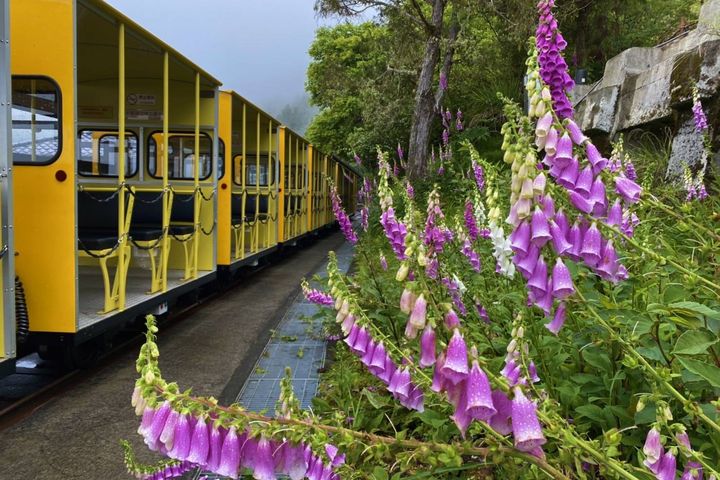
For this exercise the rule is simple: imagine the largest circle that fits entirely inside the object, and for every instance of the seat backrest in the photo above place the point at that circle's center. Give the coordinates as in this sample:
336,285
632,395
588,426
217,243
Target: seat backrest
97,211
147,209
183,208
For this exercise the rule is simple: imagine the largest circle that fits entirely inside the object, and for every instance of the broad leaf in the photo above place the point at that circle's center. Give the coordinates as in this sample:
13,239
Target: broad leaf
711,373
696,308
694,342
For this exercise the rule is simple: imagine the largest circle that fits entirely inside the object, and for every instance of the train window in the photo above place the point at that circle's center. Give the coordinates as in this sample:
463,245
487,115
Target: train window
221,158
99,153
36,132
253,176
181,152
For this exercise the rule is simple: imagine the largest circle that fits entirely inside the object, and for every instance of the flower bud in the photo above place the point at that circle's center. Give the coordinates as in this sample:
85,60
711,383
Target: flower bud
402,272
546,95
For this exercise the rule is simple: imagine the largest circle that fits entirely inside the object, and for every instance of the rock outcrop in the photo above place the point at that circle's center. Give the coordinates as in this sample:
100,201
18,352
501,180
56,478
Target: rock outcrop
651,89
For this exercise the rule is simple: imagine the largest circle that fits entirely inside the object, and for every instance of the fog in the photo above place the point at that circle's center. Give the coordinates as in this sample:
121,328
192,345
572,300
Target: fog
258,48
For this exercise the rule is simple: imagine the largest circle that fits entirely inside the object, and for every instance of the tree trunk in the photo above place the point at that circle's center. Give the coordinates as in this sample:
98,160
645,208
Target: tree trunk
418,150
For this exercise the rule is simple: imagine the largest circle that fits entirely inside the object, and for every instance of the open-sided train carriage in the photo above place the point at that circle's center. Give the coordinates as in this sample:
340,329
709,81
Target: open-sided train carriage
103,240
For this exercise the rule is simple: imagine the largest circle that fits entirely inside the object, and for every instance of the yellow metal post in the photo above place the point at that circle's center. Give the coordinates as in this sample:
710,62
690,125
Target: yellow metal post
122,226
310,190
243,174
196,180
167,197
267,186
282,151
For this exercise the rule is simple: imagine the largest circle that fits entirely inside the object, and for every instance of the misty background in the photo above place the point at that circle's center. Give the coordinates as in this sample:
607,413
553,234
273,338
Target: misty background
259,48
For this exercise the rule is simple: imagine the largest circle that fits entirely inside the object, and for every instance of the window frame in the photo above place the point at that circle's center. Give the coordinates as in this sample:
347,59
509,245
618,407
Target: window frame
221,148
116,135
59,109
271,181
171,133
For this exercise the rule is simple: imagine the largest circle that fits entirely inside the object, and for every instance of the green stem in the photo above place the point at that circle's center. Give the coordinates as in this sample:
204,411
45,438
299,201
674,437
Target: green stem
652,200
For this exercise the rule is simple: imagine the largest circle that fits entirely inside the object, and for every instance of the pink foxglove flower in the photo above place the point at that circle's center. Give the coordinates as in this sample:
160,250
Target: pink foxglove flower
455,368
427,347
479,394
526,428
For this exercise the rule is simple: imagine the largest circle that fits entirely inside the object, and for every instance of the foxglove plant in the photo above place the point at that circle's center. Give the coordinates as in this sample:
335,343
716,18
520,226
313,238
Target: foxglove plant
316,296
341,216
197,433
695,184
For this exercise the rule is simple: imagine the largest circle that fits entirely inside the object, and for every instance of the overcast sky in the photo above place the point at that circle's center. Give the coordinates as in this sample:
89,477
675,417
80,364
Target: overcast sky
257,47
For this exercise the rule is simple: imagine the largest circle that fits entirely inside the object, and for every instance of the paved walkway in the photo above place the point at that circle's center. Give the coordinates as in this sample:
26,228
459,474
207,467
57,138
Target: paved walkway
298,343
76,435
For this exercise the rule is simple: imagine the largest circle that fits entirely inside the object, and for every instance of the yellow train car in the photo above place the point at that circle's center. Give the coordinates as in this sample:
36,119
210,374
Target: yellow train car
136,179
115,152
8,348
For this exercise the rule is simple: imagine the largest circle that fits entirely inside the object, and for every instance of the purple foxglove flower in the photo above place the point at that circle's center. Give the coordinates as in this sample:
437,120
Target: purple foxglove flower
558,320
248,447
461,417
348,324
199,443
653,449
630,170
562,222
539,184
361,341
501,422
400,152
168,432
562,281
215,449
596,159
451,320
147,420
543,125
540,228
389,370
263,465
548,206
569,175
627,189
419,311
559,242
152,434
564,154
693,471
532,372
546,301
352,336
592,241
407,301
575,237
551,141
400,382
332,453
410,330
377,362
455,368
598,197
443,81
520,238
383,262
369,352
583,184
526,428
615,216
416,399
483,313
580,202
576,133
438,380
538,282
683,440
666,470
294,463
526,263
427,347
608,265
181,441
479,394
358,160
511,371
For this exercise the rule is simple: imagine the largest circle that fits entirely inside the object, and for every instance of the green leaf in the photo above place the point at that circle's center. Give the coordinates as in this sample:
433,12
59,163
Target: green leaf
375,400
433,418
674,292
598,359
696,308
379,473
694,342
711,373
593,412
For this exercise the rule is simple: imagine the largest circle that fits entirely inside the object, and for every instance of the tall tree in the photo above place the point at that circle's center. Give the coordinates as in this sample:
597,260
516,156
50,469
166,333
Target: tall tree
430,19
